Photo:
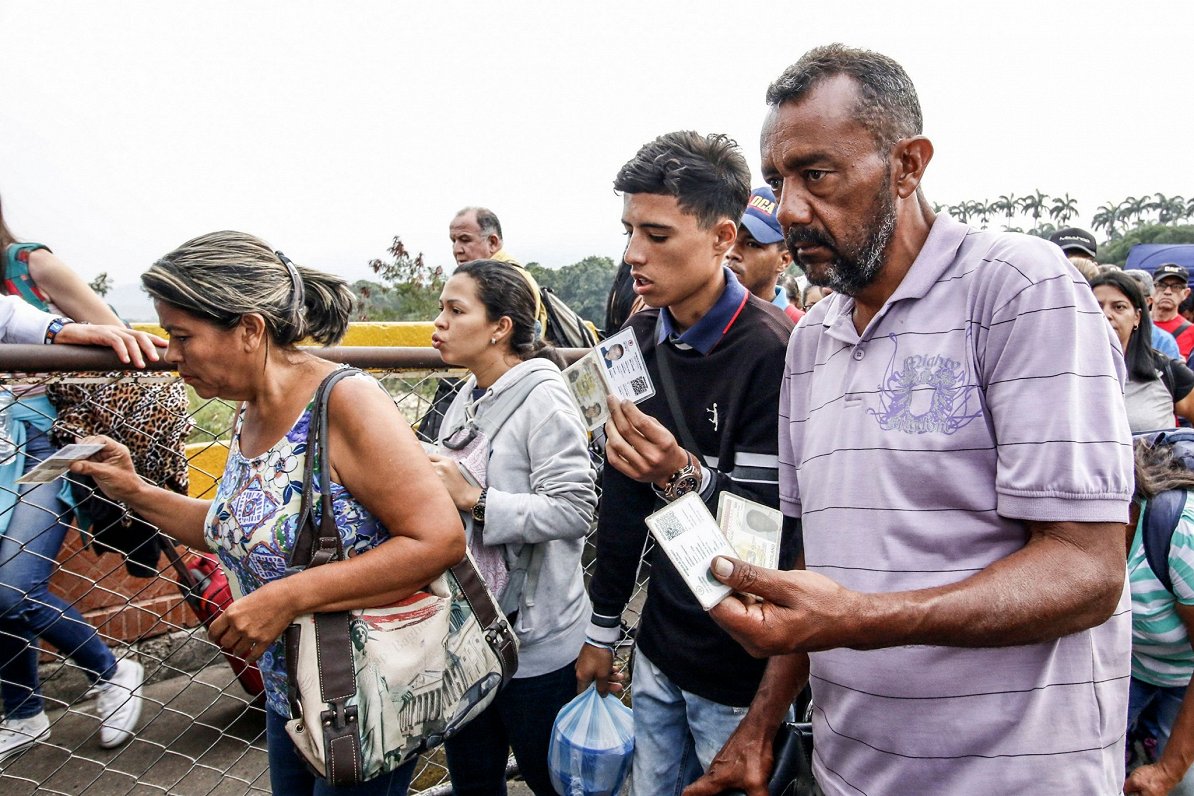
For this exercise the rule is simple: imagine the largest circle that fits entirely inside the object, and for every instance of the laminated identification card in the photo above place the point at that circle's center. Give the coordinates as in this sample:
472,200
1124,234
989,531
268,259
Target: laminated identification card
586,382
752,529
625,369
690,538
59,462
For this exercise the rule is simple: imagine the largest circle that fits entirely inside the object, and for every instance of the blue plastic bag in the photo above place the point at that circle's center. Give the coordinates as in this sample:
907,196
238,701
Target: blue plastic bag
592,742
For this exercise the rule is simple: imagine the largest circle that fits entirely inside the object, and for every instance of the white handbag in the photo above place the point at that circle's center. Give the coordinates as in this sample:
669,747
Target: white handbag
370,689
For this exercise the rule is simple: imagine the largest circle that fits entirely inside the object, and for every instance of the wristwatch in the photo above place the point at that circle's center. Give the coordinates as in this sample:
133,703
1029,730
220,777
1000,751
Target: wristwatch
479,508
683,481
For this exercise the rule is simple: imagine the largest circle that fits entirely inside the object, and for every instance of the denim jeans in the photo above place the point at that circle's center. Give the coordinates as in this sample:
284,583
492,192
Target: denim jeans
519,719
676,733
28,611
1165,704
288,772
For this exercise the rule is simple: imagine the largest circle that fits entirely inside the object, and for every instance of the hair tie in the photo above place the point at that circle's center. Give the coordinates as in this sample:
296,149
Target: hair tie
300,298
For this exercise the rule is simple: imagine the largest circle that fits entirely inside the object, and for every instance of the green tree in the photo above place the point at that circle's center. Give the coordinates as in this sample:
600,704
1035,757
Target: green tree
1116,250
409,290
102,284
1064,208
584,285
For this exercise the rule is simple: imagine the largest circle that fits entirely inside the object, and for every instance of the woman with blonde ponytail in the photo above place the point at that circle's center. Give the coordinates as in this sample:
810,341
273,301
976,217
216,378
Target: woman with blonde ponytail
235,311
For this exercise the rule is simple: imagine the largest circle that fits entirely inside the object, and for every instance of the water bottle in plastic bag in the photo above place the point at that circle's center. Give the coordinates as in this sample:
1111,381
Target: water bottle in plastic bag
592,743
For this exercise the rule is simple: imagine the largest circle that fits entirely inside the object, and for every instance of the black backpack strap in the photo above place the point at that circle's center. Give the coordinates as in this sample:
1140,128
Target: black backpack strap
1167,376
1179,330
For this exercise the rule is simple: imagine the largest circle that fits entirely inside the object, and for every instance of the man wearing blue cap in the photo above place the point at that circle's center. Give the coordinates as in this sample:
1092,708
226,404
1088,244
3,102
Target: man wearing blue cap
759,255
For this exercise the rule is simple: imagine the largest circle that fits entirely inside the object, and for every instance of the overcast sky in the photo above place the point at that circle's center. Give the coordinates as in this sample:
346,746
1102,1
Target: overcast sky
327,128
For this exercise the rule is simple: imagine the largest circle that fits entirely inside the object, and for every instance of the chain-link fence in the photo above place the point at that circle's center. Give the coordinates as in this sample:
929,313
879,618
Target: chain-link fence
199,730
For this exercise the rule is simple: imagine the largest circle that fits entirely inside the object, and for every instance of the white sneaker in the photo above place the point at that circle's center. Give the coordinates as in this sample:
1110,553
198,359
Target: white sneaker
17,735
119,704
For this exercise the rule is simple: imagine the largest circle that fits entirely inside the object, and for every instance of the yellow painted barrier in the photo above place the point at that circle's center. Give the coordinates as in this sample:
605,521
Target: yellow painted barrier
362,333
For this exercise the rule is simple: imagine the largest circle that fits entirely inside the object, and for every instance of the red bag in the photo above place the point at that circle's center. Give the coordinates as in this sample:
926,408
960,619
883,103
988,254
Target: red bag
205,588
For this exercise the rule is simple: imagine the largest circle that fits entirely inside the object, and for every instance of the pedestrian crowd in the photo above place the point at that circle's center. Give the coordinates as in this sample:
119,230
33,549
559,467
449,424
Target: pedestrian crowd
973,437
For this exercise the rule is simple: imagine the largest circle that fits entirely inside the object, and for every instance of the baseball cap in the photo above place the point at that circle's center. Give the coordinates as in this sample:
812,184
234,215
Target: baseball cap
1171,269
760,218
1074,238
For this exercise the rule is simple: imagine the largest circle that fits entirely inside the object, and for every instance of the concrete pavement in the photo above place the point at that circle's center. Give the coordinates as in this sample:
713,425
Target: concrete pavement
198,736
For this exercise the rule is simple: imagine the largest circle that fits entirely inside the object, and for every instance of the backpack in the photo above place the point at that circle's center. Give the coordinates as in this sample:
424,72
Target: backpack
1163,512
564,327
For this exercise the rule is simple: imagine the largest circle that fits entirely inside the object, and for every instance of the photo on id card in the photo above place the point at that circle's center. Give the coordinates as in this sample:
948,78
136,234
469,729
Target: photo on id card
586,382
690,538
625,370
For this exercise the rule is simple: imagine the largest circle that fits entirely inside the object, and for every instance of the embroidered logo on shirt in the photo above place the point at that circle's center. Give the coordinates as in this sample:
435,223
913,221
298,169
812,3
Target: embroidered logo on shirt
712,412
927,394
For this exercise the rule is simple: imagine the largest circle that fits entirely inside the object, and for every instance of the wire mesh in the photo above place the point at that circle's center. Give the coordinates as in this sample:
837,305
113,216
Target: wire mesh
199,731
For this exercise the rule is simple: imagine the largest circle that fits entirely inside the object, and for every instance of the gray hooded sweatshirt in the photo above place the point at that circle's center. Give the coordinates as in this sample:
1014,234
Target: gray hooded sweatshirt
540,491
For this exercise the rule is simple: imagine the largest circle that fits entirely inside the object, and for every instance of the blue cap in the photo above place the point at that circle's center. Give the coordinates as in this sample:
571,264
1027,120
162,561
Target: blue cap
760,218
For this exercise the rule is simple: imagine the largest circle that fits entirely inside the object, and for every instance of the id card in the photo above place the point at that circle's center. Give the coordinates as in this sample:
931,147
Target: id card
59,462
752,529
690,538
625,370
586,382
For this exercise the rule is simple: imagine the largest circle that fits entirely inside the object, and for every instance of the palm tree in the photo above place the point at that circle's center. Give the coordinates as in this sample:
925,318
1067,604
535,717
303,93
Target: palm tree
1169,208
1134,208
1064,208
983,209
960,211
1034,205
1008,204
1107,218
975,209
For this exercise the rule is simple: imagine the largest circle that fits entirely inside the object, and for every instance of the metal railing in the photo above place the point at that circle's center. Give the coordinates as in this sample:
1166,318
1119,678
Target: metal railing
199,732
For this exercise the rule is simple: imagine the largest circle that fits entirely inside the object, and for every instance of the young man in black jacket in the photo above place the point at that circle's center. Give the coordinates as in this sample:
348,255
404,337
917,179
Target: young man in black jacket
720,352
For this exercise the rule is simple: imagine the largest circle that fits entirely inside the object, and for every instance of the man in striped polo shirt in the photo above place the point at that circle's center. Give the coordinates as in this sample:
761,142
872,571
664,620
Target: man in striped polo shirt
954,441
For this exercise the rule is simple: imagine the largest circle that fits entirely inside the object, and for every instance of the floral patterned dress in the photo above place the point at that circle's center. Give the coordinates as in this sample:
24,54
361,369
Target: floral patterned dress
252,522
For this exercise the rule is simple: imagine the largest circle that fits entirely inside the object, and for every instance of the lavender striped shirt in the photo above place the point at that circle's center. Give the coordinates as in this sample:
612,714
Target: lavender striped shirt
987,392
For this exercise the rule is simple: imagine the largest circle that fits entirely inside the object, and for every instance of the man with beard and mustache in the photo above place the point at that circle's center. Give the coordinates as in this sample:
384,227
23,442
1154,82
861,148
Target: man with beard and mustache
953,440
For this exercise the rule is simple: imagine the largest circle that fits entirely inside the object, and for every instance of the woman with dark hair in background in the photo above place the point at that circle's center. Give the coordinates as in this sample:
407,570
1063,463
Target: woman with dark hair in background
1157,386
235,311
527,508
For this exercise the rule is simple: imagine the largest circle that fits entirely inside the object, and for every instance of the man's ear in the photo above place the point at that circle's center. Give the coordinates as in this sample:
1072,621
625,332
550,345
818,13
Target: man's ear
785,258
494,242
910,158
725,233
252,331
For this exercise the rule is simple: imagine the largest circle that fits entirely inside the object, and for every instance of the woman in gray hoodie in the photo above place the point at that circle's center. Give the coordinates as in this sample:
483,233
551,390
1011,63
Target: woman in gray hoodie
513,455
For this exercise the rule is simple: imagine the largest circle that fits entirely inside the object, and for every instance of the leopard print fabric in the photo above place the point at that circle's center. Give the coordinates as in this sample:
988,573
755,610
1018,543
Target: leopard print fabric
151,417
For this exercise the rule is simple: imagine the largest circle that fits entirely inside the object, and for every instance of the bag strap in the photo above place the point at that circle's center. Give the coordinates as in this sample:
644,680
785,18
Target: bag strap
1161,516
312,549
333,640
1182,328
673,402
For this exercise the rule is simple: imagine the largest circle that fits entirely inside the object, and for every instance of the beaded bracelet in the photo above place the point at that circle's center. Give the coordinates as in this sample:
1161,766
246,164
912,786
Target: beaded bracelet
54,328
